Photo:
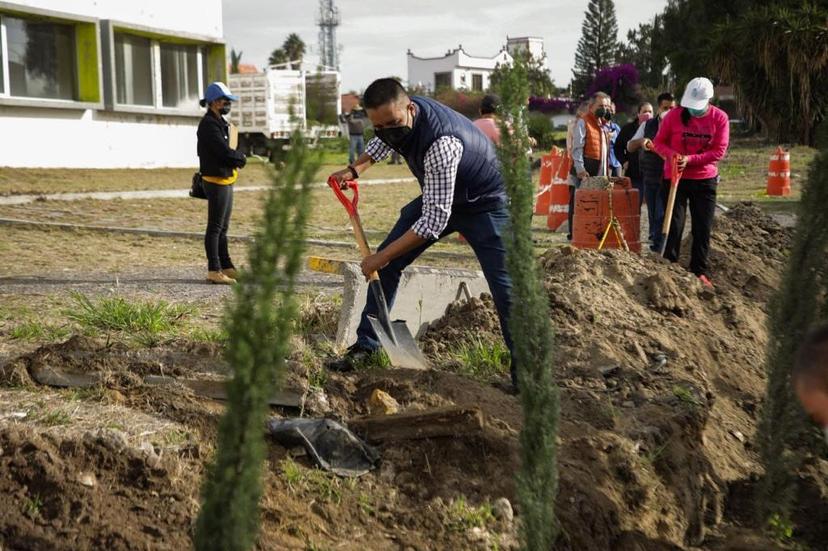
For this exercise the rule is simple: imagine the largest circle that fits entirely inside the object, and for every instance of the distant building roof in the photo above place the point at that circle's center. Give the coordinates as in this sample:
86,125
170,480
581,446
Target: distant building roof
247,69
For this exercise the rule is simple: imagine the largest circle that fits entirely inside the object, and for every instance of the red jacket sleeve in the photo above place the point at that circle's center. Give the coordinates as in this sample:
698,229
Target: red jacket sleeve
718,143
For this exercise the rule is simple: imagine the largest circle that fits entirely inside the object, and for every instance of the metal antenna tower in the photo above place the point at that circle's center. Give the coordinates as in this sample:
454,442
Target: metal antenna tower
328,22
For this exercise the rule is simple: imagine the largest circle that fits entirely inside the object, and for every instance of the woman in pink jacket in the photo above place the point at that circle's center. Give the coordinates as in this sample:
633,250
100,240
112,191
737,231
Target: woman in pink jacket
698,134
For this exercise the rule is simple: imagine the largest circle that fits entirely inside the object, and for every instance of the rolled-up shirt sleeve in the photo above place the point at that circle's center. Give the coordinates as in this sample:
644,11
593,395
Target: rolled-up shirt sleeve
578,141
377,149
440,165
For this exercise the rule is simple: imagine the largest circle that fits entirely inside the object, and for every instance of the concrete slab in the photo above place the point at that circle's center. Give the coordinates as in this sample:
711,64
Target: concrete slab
422,297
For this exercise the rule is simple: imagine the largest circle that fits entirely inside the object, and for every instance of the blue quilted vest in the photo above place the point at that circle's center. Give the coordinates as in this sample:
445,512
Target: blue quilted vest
479,185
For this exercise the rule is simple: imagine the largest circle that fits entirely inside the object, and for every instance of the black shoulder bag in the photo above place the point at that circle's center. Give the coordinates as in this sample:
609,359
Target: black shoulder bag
197,189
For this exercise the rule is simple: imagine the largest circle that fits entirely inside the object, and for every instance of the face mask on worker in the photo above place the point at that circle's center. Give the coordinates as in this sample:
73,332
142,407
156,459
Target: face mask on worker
644,117
697,112
225,109
603,113
395,136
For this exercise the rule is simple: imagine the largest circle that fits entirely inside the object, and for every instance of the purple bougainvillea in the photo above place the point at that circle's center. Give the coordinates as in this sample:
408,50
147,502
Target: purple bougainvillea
620,82
552,105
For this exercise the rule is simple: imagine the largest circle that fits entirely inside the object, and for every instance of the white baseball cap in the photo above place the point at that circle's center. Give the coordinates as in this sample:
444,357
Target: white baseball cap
698,93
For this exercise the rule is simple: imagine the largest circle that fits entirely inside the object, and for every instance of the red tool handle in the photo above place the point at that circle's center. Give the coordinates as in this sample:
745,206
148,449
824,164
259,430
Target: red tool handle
349,204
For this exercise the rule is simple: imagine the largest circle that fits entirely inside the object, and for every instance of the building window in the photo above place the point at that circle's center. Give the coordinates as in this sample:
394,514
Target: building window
477,83
180,84
133,70
39,59
442,80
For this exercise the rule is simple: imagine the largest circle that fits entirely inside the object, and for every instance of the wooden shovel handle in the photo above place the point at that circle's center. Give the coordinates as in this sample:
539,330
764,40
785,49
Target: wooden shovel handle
362,242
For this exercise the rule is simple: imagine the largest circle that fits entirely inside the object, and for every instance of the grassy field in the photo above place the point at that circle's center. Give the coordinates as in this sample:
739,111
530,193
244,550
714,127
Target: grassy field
15,181
43,250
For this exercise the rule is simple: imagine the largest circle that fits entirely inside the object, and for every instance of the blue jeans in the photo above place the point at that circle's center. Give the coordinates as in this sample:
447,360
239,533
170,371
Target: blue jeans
655,210
355,148
483,231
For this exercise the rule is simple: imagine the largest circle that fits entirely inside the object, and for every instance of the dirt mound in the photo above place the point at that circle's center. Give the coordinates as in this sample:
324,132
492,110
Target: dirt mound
660,379
747,251
660,382
471,318
69,486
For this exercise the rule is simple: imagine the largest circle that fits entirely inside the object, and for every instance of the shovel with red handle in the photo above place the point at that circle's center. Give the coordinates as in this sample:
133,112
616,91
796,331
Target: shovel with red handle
394,336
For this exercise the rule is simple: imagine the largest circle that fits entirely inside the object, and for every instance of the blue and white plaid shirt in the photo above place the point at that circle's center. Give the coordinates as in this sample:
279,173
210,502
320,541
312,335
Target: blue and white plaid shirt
440,163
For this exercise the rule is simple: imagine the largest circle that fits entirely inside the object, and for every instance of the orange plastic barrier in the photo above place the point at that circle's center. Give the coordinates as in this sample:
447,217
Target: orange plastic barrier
779,173
592,214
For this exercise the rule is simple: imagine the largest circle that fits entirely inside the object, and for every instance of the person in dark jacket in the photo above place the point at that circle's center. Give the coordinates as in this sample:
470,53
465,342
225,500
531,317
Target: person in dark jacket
627,160
219,165
651,167
462,191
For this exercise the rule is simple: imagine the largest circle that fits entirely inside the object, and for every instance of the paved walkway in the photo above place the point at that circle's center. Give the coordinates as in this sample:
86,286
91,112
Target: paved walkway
158,193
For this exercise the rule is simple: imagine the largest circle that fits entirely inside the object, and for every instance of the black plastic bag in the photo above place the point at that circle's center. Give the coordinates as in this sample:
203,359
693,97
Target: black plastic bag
329,444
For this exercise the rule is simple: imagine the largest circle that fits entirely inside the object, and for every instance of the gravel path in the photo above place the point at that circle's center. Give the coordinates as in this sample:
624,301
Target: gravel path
171,284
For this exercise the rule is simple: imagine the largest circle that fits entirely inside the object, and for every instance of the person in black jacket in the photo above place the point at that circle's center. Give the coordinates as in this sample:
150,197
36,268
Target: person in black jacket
628,161
218,164
651,167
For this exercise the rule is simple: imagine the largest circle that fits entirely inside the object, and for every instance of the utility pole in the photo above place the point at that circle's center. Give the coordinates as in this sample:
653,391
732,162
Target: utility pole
328,22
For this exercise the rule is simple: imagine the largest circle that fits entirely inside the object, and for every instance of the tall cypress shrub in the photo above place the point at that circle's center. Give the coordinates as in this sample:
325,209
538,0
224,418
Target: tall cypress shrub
537,480
258,324
799,304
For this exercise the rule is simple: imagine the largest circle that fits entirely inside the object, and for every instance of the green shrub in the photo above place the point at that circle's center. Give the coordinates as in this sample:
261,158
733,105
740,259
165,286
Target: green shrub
258,326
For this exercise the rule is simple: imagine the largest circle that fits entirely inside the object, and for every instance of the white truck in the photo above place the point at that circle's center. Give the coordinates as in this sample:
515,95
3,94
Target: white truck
275,103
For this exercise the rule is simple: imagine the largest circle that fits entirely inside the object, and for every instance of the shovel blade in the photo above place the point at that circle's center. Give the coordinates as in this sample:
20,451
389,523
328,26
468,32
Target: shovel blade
399,344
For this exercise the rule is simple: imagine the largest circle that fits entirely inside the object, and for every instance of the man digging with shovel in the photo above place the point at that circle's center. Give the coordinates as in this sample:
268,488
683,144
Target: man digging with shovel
462,191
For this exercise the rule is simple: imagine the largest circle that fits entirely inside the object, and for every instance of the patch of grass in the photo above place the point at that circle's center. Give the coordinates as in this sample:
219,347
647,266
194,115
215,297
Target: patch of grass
652,456
780,528
317,374
91,394
208,335
462,516
686,396
39,331
55,418
482,360
323,486
377,360
366,504
319,315
146,320
175,438
32,505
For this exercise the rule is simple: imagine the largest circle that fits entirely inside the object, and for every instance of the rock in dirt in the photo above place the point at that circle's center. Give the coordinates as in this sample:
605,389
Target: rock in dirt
88,480
316,402
502,510
382,403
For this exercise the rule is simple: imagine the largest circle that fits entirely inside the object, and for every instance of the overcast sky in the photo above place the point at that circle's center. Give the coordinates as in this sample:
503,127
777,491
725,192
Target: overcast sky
375,34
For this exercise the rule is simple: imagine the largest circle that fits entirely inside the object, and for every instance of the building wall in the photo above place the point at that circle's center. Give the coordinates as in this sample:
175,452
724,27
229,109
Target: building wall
189,16
461,66
80,135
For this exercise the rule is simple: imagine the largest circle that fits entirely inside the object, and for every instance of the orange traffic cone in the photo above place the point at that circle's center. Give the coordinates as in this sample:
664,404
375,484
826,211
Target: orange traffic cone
779,173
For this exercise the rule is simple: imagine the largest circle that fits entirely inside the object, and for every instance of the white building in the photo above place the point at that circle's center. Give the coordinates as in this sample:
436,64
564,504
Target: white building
105,83
461,71
457,70
533,44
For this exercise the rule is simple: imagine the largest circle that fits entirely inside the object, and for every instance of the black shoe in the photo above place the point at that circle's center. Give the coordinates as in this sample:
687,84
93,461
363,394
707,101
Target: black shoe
356,356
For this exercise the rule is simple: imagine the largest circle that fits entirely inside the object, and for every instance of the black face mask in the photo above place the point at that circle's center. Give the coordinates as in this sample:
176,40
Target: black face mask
394,136
225,109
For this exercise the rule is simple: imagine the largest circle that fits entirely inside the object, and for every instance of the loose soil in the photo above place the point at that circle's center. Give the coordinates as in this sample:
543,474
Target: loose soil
660,385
